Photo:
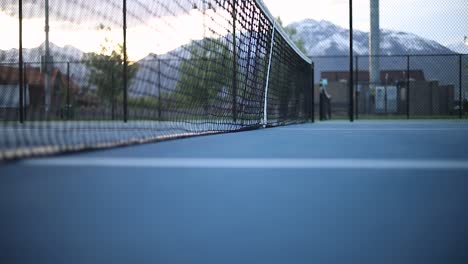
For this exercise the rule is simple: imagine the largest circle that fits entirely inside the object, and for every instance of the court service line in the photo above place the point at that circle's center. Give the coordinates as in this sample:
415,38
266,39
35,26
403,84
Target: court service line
374,129
225,163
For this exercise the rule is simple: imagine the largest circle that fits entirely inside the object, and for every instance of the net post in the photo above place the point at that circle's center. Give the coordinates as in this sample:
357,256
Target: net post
267,84
408,87
234,62
351,65
312,103
20,63
125,63
460,99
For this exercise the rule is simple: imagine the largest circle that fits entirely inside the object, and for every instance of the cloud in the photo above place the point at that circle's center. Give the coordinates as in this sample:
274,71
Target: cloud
154,31
109,11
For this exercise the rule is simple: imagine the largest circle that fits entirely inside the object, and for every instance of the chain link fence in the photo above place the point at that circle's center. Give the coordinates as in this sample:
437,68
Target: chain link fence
410,86
413,64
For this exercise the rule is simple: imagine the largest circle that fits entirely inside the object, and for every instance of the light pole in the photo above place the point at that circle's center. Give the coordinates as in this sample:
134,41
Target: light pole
374,43
47,62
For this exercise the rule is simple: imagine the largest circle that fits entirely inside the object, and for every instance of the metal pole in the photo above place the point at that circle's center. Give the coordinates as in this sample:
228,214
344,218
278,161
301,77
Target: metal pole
374,44
20,63
312,104
125,64
68,90
234,62
460,99
47,65
357,83
25,95
351,79
408,87
159,90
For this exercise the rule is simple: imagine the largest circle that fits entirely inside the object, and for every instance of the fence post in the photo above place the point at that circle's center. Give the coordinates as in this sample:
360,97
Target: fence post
25,95
68,108
20,63
159,89
351,80
125,63
460,98
357,84
408,86
312,104
234,62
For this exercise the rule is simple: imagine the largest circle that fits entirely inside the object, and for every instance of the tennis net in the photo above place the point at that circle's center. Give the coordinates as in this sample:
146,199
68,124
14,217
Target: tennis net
117,72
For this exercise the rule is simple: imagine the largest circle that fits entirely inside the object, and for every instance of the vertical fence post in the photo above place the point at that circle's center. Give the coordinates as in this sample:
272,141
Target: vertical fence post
125,63
351,79
68,108
357,84
159,89
408,86
25,95
48,65
460,98
20,63
234,62
312,103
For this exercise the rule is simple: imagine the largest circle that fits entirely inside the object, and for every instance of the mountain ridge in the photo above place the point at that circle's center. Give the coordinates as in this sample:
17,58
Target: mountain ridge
323,38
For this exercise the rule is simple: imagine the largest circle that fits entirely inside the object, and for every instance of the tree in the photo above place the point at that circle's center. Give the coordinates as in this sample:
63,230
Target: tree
204,74
106,71
292,34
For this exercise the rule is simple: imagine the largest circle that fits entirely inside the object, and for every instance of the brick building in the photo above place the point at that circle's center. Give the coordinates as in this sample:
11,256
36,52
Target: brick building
34,89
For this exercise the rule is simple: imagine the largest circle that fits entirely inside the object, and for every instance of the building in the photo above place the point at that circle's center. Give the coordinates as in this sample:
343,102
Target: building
34,91
426,97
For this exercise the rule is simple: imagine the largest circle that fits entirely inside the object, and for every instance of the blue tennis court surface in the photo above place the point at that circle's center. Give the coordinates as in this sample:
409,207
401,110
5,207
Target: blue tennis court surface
369,192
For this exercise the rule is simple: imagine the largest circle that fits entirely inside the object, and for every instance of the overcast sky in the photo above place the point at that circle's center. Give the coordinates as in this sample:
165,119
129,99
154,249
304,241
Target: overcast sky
158,26
445,21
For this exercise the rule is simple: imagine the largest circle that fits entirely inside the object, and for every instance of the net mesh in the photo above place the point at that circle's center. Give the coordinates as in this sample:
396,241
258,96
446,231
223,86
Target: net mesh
183,68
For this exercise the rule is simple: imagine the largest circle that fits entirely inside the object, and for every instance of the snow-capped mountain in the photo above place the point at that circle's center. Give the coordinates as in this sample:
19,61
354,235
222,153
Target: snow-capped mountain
60,54
323,38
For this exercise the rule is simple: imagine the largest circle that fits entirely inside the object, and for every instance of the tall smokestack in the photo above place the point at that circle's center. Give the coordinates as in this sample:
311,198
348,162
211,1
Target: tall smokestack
374,42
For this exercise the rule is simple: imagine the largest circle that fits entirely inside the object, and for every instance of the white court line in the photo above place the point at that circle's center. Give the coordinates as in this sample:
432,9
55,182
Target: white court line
221,163
374,129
